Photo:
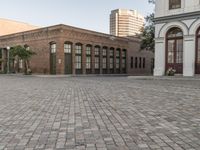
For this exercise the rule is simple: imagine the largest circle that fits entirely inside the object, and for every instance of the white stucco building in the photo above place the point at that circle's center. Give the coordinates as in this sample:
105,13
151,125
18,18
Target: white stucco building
177,37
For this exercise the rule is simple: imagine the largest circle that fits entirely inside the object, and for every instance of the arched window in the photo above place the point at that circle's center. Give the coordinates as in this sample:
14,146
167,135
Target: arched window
88,50
68,47
88,58
78,58
174,49
68,57
97,59
104,59
174,32
197,69
118,60
53,47
111,60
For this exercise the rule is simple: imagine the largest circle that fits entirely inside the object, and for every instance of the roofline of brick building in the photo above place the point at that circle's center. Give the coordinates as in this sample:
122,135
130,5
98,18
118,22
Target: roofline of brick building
62,26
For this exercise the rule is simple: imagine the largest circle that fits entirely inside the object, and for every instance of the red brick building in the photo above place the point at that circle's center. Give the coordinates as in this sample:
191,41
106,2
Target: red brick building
63,49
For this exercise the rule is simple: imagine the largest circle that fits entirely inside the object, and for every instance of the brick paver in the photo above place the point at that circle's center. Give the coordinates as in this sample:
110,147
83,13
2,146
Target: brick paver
99,113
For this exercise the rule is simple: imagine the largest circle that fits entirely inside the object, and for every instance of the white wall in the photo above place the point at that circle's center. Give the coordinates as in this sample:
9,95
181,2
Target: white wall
189,28
159,69
189,56
162,7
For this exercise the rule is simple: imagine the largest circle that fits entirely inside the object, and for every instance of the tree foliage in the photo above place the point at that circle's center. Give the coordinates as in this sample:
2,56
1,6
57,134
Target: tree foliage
21,52
24,54
148,32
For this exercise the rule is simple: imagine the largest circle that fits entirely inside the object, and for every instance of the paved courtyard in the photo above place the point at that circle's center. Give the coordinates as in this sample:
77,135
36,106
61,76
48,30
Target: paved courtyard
99,113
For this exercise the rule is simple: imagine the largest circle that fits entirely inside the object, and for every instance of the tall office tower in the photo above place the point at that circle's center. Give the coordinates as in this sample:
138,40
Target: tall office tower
125,22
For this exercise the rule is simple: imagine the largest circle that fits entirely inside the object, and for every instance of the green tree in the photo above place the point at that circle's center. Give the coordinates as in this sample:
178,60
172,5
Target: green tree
148,32
23,54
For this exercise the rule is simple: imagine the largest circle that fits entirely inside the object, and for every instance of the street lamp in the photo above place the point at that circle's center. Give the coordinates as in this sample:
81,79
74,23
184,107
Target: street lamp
8,61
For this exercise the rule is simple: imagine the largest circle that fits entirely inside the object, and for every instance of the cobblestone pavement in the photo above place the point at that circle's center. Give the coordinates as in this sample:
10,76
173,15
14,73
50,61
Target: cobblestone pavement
99,113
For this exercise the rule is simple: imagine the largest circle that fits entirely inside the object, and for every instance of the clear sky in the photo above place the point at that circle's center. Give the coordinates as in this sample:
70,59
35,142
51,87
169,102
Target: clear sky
88,14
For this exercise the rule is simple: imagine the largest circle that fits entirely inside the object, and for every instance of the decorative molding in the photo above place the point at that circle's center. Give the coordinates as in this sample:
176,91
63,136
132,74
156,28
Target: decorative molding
179,17
175,24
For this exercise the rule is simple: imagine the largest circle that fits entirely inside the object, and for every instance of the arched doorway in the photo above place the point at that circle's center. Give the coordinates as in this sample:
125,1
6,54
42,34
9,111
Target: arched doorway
68,57
52,58
197,62
174,49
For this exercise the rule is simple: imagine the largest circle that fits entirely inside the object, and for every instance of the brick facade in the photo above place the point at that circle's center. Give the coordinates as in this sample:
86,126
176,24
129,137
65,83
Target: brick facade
39,41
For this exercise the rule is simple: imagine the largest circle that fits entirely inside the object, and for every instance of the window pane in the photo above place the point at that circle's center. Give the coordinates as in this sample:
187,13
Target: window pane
88,62
136,62
67,48
117,53
174,4
175,32
171,51
53,48
111,52
198,52
96,50
123,63
96,65
78,49
117,63
104,52
78,62
140,62
179,51
88,50
111,63
144,62
104,63
123,53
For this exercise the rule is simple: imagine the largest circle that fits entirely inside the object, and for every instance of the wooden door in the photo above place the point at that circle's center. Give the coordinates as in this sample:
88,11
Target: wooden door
53,63
68,63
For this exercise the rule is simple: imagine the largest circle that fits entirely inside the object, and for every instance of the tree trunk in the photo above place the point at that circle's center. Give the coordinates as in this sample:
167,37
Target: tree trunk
25,67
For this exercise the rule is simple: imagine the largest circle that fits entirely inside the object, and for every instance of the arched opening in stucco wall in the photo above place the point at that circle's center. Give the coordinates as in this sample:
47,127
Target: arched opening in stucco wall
174,49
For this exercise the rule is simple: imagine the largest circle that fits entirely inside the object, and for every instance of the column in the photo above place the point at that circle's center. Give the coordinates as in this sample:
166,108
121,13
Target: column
73,60
189,56
159,57
84,59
